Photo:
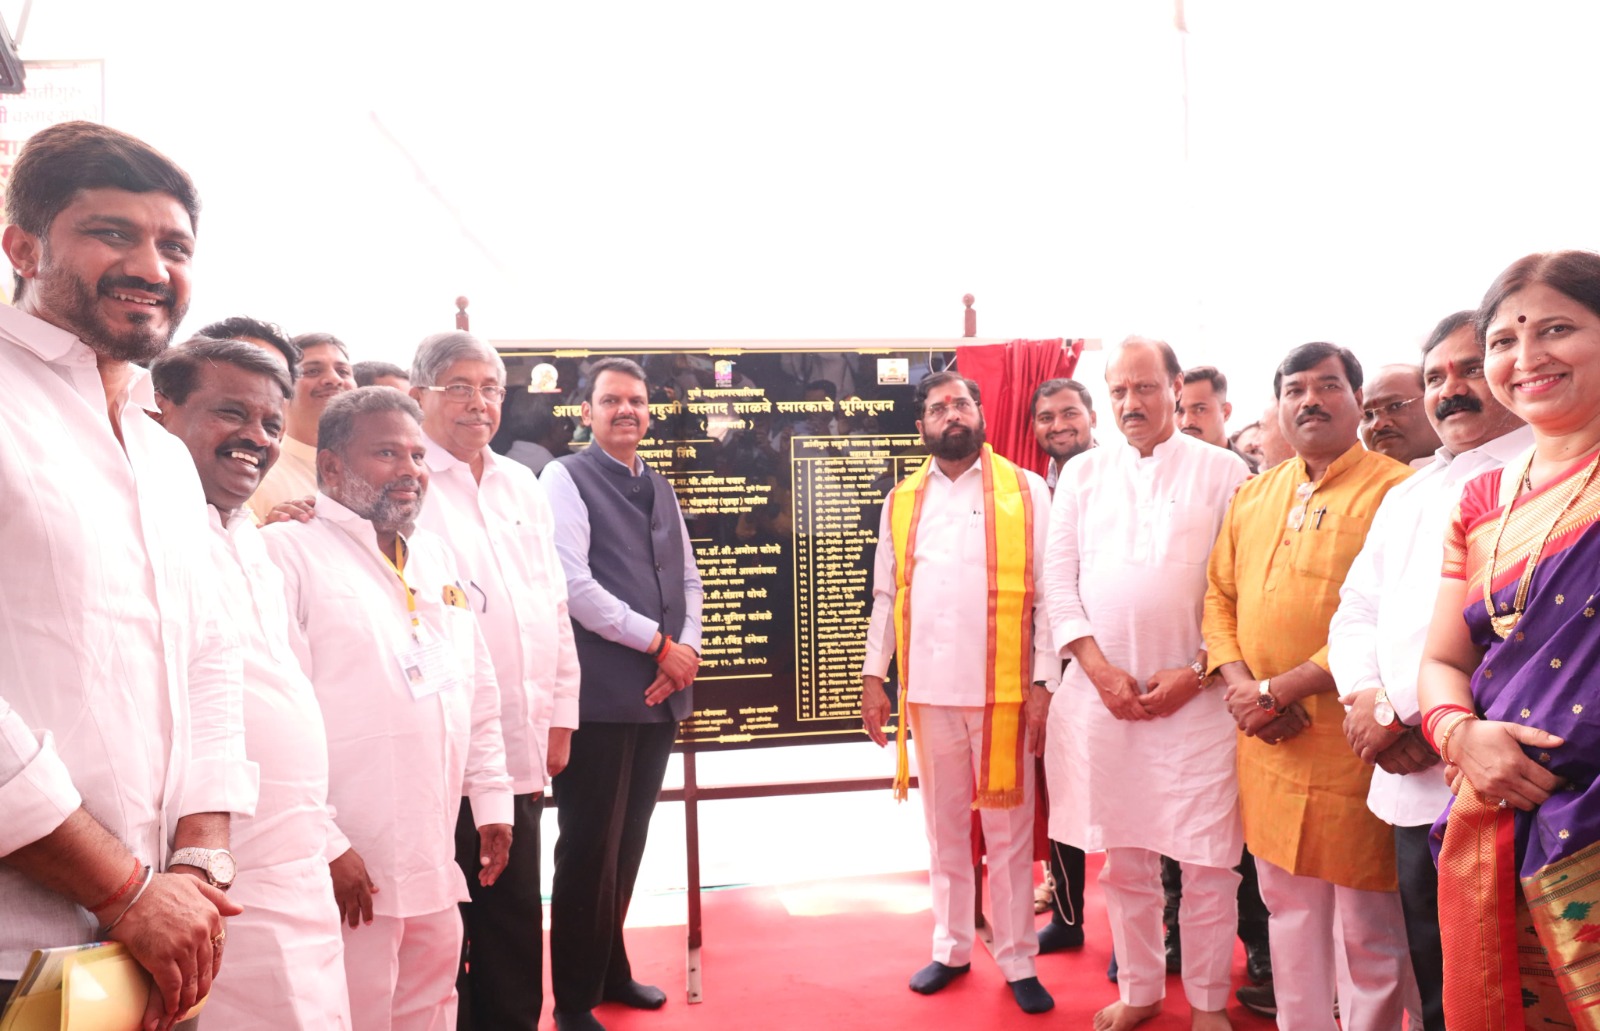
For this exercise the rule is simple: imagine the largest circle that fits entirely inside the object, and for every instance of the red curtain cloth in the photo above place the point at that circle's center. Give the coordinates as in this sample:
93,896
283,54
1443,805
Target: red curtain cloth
1007,375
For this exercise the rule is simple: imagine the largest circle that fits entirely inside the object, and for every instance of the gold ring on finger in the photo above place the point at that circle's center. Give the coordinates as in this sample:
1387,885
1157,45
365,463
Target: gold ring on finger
217,942
1501,804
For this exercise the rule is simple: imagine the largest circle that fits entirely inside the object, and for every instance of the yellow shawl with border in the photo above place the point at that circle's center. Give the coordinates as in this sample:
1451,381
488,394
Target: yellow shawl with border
1008,541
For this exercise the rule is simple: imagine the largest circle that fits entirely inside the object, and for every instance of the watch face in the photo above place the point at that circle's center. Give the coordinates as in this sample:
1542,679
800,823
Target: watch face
1266,702
223,868
1383,712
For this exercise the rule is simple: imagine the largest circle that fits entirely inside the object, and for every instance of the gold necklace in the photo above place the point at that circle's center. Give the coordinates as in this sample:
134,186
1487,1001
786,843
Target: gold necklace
1504,623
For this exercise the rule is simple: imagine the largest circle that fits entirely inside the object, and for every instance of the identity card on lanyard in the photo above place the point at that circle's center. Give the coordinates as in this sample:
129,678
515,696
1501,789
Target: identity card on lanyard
428,664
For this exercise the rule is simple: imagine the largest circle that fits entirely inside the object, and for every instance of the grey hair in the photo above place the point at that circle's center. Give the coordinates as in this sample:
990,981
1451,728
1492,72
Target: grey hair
437,353
338,423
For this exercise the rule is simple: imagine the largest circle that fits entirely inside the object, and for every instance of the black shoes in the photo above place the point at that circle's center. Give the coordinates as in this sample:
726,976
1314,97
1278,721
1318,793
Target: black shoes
583,1021
1054,937
639,996
1258,963
1031,995
936,976
1258,999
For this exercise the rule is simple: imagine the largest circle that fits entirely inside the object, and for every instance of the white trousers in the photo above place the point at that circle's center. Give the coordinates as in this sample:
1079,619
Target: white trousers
949,745
1208,918
1317,927
402,972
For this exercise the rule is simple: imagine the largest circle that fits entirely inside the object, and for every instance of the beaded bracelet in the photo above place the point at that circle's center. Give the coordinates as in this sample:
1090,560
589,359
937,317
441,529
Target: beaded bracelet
149,872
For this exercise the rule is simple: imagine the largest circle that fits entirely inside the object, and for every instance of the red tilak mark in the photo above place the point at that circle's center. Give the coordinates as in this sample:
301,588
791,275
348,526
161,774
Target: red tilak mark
1522,318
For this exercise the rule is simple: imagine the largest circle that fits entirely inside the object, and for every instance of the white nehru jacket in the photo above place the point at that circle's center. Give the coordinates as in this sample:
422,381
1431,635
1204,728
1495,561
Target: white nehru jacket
1126,565
503,534
119,680
397,765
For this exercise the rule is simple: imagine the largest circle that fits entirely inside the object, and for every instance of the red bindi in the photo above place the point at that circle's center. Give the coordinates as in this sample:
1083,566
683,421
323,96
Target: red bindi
1522,318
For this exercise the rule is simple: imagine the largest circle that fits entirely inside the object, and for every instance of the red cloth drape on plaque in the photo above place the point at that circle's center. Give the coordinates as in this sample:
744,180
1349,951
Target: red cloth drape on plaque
1007,375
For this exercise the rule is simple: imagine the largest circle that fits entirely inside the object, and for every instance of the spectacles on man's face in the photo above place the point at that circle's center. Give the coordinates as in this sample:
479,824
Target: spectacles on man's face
944,408
462,393
1392,410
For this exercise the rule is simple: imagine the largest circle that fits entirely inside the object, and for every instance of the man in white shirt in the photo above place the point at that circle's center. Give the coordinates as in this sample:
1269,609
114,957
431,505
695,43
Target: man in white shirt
1139,753
1063,424
324,372
1376,637
379,619
495,516
972,527
119,689
224,399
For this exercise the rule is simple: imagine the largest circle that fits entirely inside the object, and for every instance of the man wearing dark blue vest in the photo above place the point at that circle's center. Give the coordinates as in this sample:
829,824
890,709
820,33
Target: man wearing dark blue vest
634,594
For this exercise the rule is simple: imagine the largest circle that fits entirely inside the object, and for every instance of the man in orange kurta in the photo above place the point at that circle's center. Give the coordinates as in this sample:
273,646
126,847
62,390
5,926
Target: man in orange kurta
1285,546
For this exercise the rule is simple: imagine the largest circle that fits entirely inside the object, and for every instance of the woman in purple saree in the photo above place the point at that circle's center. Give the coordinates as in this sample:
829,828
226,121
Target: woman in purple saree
1511,692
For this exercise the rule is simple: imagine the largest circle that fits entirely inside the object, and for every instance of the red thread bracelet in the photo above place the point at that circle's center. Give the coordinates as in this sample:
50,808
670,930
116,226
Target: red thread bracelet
127,886
666,642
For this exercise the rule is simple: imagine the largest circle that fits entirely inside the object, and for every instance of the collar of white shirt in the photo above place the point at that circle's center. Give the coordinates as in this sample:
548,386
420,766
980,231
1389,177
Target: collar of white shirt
56,346
357,526
440,460
1501,449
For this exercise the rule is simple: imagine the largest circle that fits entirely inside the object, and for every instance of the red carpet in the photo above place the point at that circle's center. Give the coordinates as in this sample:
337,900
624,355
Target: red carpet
837,955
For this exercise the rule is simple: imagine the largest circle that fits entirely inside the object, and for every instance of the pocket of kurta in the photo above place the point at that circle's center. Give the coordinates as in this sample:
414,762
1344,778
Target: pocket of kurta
1328,544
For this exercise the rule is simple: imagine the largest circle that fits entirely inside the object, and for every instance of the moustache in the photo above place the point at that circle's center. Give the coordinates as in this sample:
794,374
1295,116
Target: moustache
240,444
1459,403
404,483
1314,412
1132,416
162,290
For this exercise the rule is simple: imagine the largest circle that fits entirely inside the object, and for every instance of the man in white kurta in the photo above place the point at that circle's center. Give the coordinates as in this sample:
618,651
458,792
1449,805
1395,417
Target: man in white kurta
121,726
1385,605
946,707
285,972
1141,757
378,618
495,516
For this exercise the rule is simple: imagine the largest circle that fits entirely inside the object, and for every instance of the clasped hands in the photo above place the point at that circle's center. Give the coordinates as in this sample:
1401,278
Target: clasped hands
1394,749
1272,726
676,670
1165,693
1489,755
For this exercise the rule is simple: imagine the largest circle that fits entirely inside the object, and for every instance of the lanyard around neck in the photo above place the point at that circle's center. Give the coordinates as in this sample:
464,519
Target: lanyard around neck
398,564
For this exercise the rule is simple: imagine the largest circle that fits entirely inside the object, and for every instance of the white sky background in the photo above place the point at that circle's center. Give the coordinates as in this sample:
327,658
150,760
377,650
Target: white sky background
845,170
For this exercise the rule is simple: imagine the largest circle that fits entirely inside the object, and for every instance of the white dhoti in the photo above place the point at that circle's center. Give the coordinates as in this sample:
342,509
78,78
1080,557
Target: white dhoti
1316,925
283,964
948,742
401,972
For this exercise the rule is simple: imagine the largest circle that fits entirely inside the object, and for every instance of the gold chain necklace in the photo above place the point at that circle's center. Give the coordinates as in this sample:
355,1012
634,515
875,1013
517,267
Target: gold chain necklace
1504,623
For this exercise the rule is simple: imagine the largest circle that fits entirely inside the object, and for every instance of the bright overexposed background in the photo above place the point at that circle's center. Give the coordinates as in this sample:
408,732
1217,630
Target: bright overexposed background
1283,171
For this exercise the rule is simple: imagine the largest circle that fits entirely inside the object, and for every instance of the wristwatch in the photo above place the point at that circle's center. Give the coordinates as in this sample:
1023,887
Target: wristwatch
1383,711
217,863
1265,699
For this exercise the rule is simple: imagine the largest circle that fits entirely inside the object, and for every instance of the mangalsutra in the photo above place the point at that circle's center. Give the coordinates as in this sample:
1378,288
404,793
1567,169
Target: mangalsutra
1504,623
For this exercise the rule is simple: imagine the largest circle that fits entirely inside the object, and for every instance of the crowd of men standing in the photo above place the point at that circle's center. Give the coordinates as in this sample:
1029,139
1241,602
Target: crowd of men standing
316,643
1241,623
289,662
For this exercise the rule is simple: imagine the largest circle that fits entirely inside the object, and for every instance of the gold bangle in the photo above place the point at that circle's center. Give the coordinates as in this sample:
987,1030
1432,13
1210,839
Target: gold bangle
1444,739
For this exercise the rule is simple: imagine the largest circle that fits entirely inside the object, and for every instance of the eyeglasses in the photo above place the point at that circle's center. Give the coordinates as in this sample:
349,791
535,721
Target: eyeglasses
960,404
1392,410
465,392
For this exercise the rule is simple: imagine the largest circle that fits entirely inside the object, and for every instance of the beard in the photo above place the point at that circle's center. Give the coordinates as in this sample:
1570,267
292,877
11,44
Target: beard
956,442
72,303
375,505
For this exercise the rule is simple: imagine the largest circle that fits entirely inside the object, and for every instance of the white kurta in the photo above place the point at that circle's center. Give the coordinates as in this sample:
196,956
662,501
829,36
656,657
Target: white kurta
1126,565
397,765
503,535
1386,604
284,966
119,684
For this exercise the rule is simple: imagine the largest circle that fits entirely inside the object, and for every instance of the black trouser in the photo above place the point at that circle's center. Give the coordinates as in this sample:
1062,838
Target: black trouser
502,946
1066,867
1419,899
1252,911
604,799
